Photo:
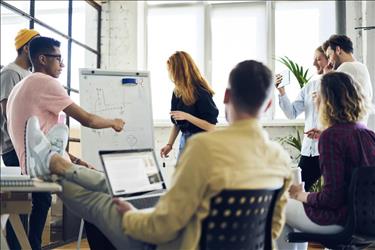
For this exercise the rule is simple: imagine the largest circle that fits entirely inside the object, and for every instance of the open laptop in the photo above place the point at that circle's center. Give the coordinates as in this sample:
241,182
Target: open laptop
133,175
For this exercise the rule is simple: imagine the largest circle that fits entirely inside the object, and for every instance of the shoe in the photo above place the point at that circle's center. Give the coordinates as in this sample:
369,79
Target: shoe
38,149
58,136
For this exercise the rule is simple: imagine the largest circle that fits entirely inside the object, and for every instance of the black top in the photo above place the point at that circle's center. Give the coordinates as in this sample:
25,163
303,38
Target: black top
203,108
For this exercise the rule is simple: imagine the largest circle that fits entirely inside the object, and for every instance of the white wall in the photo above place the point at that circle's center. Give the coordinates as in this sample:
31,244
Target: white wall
362,14
119,35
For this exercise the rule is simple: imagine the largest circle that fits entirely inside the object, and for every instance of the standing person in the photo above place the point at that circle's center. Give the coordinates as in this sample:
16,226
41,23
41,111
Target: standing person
10,76
240,156
339,49
41,95
192,107
345,144
309,161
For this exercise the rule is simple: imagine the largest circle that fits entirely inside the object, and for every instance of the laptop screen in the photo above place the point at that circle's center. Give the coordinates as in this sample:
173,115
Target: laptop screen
130,172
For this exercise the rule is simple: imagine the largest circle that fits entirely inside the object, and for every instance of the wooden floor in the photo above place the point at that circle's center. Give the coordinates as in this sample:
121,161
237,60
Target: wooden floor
73,245
85,246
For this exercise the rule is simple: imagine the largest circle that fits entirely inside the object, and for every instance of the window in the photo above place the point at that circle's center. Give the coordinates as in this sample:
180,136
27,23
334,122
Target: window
219,34
300,27
162,44
238,34
11,23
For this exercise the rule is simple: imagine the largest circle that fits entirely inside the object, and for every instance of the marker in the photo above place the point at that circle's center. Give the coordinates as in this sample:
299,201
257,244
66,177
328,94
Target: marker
129,81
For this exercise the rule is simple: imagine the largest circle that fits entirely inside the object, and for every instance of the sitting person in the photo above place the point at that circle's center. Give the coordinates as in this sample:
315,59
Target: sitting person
345,144
238,157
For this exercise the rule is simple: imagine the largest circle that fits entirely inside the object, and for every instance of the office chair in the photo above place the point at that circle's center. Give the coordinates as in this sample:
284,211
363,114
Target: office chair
239,219
359,231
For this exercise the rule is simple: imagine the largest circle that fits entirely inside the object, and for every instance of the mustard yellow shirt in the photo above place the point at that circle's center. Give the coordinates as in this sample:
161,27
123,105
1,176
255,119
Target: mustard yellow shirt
238,157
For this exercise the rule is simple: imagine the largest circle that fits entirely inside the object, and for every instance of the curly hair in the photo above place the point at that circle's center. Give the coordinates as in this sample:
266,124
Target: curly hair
342,100
186,77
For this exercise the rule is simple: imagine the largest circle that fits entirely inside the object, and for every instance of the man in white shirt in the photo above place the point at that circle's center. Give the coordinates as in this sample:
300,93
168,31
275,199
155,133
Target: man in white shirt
309,161
339,50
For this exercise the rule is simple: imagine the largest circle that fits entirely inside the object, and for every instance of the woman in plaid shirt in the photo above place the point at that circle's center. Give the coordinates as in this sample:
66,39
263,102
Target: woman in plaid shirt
345,144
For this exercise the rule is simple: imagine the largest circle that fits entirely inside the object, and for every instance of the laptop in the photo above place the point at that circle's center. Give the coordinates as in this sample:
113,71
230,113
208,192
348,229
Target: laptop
134,176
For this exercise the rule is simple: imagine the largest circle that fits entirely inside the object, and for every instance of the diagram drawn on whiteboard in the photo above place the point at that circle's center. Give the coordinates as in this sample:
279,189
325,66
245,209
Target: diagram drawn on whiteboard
124,95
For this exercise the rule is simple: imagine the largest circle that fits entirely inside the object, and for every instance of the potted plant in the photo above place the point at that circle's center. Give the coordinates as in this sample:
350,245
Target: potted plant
298,71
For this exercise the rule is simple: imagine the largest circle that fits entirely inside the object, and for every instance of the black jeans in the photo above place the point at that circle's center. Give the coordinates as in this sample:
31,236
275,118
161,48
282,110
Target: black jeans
310,170
41,202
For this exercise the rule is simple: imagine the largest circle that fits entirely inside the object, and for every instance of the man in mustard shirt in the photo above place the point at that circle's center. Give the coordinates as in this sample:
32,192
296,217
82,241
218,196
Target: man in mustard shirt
238,157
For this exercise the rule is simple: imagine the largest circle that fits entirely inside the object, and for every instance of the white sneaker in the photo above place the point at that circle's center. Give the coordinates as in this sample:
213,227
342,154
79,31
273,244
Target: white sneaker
58,136
38,149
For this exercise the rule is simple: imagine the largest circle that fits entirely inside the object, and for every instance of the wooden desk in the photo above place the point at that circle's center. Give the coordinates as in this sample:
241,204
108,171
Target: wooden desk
16,200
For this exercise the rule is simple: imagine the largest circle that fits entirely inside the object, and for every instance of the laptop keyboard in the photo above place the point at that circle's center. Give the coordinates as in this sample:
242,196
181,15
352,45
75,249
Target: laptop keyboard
145,202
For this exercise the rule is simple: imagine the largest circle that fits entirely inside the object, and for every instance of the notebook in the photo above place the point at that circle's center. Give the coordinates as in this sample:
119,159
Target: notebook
16,181
133,175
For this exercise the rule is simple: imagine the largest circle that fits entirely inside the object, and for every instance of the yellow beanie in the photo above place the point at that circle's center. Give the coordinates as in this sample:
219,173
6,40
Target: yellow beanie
24,36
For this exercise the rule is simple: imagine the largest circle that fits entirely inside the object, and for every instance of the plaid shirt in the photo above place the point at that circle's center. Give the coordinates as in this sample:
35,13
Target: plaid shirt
342,147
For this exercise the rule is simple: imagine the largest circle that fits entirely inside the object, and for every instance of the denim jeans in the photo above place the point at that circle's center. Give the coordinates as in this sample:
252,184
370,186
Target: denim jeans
183,140
41,202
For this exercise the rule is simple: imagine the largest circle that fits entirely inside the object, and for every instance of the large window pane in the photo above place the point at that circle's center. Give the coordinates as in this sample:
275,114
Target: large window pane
171,29
300,27
81,58
11,23
53,13
21,5
238,33
85,20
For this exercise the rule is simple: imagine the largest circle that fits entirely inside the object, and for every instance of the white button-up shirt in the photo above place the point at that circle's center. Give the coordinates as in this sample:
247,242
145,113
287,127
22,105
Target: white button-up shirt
304,103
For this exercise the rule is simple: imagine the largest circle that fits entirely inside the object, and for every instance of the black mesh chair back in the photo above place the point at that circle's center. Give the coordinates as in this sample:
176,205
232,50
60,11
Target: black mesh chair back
359,231
362,197
239,219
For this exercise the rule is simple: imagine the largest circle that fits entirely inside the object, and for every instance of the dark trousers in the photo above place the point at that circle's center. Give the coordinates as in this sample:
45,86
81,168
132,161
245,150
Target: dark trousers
41,202
310,170
96,239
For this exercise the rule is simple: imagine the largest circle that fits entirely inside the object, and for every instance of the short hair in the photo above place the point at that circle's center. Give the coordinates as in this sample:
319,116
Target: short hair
342,99
341,41
250,84
41,45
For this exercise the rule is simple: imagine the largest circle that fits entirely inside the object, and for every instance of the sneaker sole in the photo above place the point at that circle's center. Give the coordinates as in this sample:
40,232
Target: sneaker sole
27,156
25,141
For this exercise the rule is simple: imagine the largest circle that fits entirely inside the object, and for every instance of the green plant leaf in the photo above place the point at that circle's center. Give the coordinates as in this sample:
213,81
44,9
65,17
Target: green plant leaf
298,71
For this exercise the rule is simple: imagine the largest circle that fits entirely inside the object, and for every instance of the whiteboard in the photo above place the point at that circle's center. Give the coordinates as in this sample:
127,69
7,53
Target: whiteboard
111,94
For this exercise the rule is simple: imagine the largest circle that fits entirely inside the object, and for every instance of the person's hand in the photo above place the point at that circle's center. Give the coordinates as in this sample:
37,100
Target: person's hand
328,68
123,206
118,125
180,115
90,166
297,192
313,133
85,164
278,80
164,151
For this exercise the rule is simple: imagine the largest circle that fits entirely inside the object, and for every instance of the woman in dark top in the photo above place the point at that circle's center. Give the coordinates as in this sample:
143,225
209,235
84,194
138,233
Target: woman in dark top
192,107
345,144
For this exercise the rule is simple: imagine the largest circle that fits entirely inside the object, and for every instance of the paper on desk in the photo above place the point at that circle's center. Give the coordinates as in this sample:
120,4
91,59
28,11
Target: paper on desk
5,171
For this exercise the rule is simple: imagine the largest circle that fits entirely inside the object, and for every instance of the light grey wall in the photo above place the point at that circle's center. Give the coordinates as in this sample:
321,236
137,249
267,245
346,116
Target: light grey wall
362,14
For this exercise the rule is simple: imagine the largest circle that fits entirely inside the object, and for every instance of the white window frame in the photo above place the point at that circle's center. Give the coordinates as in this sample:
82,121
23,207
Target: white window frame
207,69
